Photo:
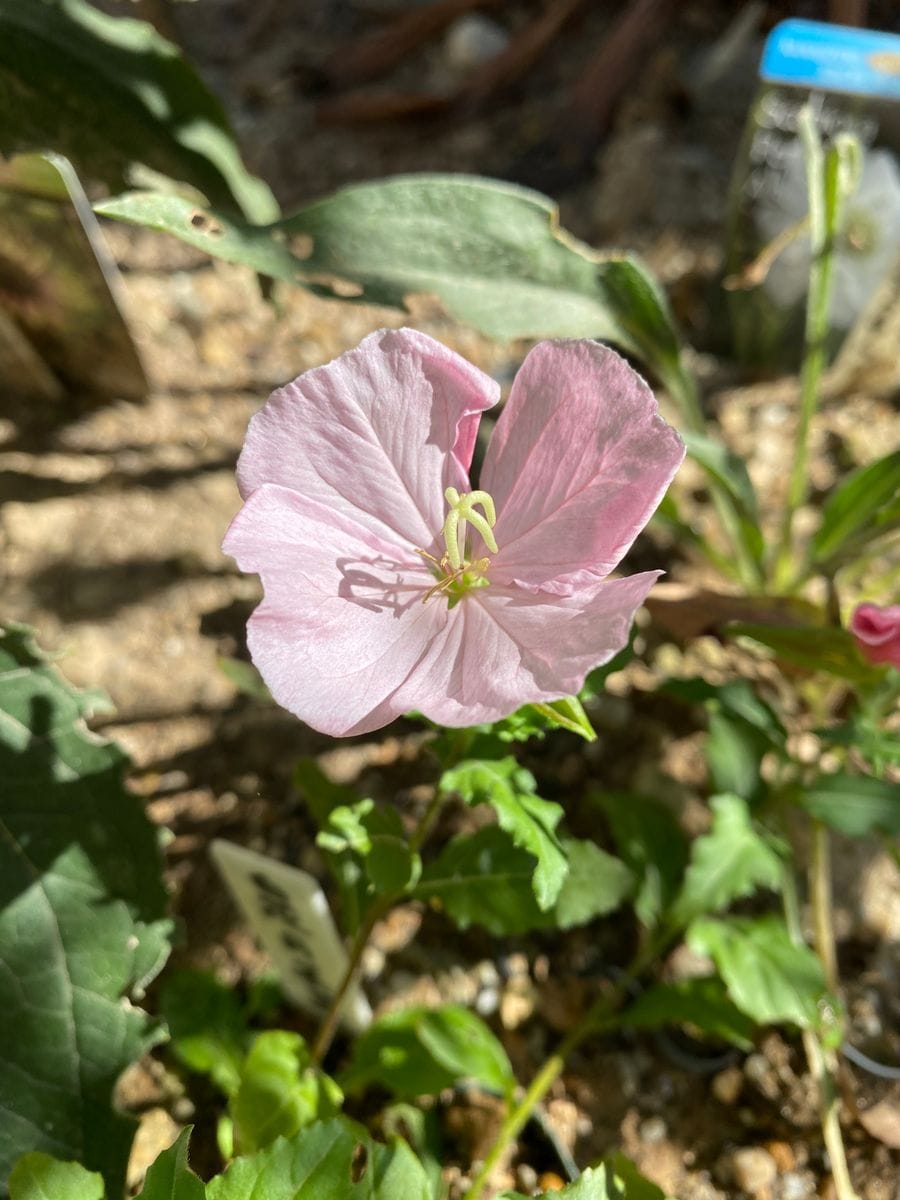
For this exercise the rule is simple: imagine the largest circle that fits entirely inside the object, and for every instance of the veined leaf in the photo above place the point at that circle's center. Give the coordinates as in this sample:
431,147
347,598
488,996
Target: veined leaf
730,861
492,252
331,1160
861,508
82,924
37,1176
279,1092
485,879
769,977
530,821
110,91
854,804
419,1051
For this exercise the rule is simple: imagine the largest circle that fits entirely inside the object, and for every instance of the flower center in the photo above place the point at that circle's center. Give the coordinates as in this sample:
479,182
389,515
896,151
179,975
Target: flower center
456,572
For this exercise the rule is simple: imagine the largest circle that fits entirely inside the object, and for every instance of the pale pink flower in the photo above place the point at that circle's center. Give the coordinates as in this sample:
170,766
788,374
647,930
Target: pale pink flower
876,631
389,586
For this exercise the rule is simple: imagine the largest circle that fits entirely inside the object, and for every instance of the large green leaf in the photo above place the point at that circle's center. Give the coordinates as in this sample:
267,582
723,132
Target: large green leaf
854,804
37,1176
653,845
419,1051
530,821
332,1160
109,91
492,252
170,1178
82,924
862,507
730,861
279,1091
485,879
702,1002
769,977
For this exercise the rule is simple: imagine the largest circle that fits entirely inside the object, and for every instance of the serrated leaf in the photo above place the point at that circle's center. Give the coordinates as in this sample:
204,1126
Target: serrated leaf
491,251
170,1178
729,862
652,844
82,923
419,1051
485,879
37,1176
279,1092
854,804
110,91
530,821
331,1160
207,1029
769,977
617,1178
702,1002
730,472
862,507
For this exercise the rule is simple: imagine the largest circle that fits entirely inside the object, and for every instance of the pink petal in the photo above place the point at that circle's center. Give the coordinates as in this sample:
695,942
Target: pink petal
877,632
341,624
577,464
502,648
383,430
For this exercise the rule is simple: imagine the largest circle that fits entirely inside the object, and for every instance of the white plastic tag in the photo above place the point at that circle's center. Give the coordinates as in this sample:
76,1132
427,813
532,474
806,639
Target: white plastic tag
289,914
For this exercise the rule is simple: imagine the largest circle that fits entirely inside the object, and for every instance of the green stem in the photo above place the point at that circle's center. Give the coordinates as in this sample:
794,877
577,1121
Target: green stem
379,909
830,180
822,1063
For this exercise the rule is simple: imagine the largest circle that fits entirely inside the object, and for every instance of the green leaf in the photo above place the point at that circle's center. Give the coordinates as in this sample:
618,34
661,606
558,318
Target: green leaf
595,683
206,1026
108,92
279,1092
854,804
37,1176
419,1051
734,751
736,698
422,1131
530,821
861,508
729,862
492,252
617,1178
568,714
331,1160
701,1002
377,836
169,1178
653,845
322,798
877,745
82,923
816,648
768,976
730,472
485,879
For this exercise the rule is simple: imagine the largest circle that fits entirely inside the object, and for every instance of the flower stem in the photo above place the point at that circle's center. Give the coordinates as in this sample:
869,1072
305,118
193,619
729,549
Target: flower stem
831,178
822,1061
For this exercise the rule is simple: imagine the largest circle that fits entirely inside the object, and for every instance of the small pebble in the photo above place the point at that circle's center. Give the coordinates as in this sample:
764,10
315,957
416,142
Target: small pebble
653,1130
797,1185
753,1169
473,40
727,1085
526,1178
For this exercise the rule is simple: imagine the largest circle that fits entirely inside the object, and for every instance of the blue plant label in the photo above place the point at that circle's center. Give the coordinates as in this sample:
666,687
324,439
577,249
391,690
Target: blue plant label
833,58
289,914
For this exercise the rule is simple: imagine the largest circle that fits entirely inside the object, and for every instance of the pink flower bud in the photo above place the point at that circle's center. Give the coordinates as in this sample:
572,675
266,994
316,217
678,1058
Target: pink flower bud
876,631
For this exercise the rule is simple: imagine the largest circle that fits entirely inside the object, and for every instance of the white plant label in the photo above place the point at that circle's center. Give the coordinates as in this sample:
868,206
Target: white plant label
289,914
